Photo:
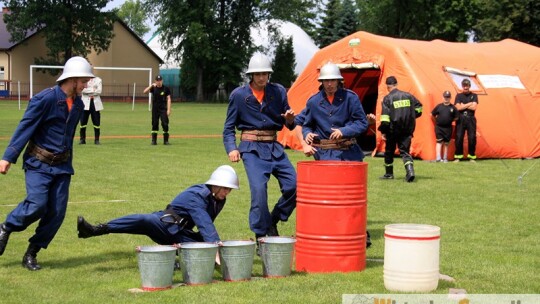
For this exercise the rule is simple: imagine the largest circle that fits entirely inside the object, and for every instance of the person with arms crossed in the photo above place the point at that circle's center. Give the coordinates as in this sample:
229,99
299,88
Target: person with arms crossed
92,108
466,102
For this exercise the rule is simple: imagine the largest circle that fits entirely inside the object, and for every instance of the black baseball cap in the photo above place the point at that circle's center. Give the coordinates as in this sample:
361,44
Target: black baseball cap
447,94
391,80
158,77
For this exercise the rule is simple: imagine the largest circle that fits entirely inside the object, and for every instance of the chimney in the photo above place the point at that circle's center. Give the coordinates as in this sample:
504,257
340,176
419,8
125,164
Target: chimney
5,10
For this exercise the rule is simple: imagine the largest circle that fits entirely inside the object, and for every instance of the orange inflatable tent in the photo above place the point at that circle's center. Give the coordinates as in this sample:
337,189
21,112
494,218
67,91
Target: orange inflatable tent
504,74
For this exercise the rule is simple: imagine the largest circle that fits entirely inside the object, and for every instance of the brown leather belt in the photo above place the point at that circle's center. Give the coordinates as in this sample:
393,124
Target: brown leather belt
45,156
335,144
259,135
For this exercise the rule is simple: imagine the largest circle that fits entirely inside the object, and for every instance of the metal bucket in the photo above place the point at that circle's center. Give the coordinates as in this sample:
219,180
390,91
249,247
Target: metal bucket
197,262
277,255
237,260
156,265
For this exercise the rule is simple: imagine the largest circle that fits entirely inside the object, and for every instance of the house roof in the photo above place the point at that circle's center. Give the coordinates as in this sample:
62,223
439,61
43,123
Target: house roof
5,36
7,45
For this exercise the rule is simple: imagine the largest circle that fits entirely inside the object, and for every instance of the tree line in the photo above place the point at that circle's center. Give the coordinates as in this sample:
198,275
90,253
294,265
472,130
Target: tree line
212,41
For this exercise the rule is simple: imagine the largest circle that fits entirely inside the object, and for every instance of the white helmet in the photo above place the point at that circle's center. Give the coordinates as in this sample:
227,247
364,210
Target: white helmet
259,63
330,71
76,67
224,176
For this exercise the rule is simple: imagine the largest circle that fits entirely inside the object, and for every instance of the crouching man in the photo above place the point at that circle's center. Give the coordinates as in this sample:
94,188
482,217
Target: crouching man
198,205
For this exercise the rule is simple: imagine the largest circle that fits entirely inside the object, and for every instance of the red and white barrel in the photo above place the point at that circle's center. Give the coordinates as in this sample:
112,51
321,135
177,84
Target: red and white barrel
411,257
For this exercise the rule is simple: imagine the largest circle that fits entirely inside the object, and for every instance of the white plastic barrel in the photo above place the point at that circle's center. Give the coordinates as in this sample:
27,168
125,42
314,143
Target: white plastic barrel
411,257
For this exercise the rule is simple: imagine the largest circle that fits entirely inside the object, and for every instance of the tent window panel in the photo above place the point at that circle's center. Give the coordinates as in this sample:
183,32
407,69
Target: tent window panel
457,76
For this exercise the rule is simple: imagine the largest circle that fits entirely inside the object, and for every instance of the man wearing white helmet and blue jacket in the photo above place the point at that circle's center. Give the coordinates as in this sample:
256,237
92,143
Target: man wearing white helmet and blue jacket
259,109
198,205
333,118
48,127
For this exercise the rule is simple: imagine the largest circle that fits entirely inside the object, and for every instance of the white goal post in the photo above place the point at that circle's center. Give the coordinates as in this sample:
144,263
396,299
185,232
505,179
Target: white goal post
34,66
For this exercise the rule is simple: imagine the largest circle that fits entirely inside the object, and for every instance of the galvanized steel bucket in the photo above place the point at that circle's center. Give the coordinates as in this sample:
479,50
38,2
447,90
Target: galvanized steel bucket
156,265
237,259
277,254
197,262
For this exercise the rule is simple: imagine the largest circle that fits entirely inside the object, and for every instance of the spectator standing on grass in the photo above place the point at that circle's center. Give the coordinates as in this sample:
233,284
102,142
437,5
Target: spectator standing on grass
466,102
161,108
398,121
92,108
443,115
48,127
259,110
197,206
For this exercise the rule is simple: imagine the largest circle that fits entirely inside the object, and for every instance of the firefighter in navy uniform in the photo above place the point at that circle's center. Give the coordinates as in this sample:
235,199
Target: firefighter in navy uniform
259,110
161,109
466,103
48,127
198,205
398,121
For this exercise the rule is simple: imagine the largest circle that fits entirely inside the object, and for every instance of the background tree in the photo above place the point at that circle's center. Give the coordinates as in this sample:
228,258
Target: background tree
348,19
327,33
284,63
70,28
211,38
516,19
418,19
133,14
303,13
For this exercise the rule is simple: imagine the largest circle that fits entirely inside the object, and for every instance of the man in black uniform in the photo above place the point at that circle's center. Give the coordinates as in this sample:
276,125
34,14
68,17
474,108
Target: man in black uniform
466,103
398,121
161,109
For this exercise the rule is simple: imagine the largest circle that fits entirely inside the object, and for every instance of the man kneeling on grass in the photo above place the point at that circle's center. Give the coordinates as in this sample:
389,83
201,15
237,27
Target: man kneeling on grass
198,205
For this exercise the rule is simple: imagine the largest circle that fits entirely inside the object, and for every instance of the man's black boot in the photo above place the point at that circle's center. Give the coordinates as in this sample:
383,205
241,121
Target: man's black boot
85,230
4,237
166,139
273,231
154,139
29,260
410,172
257,236
368,239
389,172
97,133
82,136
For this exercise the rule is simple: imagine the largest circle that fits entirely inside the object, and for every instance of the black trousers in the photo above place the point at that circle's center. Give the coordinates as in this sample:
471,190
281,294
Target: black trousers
403,142
160,112
96,120
466,124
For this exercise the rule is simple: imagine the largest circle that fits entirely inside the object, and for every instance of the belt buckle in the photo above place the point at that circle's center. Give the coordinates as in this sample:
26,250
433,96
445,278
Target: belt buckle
182,223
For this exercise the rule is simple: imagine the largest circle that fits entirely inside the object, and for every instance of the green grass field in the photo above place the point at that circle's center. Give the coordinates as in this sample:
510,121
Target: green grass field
489,219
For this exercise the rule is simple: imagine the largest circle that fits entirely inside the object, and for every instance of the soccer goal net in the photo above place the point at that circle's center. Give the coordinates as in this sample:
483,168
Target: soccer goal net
144,70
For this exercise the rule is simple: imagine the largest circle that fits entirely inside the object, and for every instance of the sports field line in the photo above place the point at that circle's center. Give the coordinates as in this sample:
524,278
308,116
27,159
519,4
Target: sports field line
81,202
144,136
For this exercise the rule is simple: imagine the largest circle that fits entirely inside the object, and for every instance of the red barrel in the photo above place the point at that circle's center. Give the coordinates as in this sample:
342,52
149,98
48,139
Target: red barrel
331,216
